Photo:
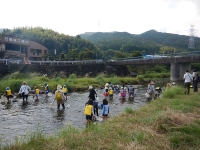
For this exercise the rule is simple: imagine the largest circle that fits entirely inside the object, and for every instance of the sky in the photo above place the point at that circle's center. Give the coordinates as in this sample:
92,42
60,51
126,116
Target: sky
73,17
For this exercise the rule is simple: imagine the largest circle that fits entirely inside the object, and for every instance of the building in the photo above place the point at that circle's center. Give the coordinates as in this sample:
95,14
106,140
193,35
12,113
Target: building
22,49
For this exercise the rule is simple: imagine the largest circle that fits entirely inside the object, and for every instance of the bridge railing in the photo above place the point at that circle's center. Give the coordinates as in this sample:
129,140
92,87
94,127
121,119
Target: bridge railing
67,62
11,61
157,56
140,58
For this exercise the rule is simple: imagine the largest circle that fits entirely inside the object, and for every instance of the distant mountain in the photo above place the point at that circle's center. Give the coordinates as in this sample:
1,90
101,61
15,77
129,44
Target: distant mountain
175,40
86,34
150,41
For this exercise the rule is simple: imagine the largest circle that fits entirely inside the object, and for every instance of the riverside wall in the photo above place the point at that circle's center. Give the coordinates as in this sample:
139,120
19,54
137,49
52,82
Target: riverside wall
90,70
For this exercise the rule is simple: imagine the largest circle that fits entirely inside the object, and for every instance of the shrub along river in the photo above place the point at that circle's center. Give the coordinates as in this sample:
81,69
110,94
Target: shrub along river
19,119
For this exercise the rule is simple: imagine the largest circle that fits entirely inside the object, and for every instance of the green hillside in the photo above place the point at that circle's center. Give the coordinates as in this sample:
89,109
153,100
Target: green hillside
99,45
149,42
67,47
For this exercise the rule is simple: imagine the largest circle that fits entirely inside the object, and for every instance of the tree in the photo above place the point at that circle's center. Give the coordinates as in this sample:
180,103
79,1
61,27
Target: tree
136,53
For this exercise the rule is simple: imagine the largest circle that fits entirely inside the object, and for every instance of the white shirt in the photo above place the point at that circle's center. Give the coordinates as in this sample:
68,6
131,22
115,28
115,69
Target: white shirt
25,89
188,77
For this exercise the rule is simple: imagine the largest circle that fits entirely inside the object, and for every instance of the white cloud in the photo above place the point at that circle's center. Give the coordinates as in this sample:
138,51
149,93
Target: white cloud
74,17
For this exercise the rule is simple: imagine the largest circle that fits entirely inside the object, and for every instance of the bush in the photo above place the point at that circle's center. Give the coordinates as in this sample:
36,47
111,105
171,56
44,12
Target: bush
173,92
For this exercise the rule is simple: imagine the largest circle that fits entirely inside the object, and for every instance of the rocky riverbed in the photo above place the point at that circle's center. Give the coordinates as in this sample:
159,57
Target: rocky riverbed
19,119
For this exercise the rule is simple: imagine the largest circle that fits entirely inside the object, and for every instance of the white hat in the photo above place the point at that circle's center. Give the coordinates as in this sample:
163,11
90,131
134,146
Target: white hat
59,87
90,87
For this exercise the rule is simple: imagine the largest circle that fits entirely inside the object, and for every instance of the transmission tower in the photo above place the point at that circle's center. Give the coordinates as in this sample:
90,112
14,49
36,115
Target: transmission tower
191,38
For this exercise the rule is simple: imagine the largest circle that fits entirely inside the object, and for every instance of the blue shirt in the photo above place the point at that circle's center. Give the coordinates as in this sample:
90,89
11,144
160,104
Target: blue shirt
105,110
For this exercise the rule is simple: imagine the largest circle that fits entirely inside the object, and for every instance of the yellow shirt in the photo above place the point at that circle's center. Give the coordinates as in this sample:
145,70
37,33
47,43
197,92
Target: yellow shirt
8,92
64,90
110,92
37,91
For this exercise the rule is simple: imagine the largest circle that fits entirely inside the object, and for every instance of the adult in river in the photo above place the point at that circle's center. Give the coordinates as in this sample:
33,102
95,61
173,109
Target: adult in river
92,93
24,90
131,91
59,97
151,91
92,96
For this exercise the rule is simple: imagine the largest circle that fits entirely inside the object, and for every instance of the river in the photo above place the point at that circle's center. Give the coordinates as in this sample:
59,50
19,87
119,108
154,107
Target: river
19,119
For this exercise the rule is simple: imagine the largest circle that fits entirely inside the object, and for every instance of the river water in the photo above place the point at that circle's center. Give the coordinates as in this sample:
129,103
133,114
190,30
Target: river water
19,119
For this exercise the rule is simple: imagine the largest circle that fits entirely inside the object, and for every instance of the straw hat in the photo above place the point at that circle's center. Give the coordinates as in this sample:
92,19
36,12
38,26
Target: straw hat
24,82
90,87
59,87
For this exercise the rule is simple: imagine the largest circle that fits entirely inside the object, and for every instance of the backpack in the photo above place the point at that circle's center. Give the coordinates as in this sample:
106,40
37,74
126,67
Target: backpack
58,96
88,110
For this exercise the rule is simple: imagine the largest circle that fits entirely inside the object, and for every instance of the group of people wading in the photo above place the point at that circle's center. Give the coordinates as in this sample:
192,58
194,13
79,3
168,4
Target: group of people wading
122,90
60,93
92,106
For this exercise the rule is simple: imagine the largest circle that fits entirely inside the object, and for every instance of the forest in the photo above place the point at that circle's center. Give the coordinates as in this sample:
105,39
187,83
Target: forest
108,45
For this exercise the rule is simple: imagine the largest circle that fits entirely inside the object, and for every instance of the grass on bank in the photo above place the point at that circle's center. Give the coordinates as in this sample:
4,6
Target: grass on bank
167,123
73,83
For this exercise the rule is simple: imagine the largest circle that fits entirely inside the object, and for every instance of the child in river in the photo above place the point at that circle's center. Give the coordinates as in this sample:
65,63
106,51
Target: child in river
46,88
123,92
36,93
105,109
89,112
64,89
8,94
110,92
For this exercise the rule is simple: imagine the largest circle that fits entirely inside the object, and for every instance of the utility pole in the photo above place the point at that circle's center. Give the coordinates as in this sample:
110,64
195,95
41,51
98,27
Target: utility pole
191,38
98,25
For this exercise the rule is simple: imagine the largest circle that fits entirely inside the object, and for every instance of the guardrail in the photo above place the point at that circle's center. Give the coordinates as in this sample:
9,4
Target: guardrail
118,60
11,61
158,56
67,62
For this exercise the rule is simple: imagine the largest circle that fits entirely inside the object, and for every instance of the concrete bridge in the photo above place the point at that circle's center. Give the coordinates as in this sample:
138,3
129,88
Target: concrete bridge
179,62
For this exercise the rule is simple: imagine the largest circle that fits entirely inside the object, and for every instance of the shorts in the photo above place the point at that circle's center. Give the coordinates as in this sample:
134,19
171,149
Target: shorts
36,95
46,92
88,117
60,102
9,96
